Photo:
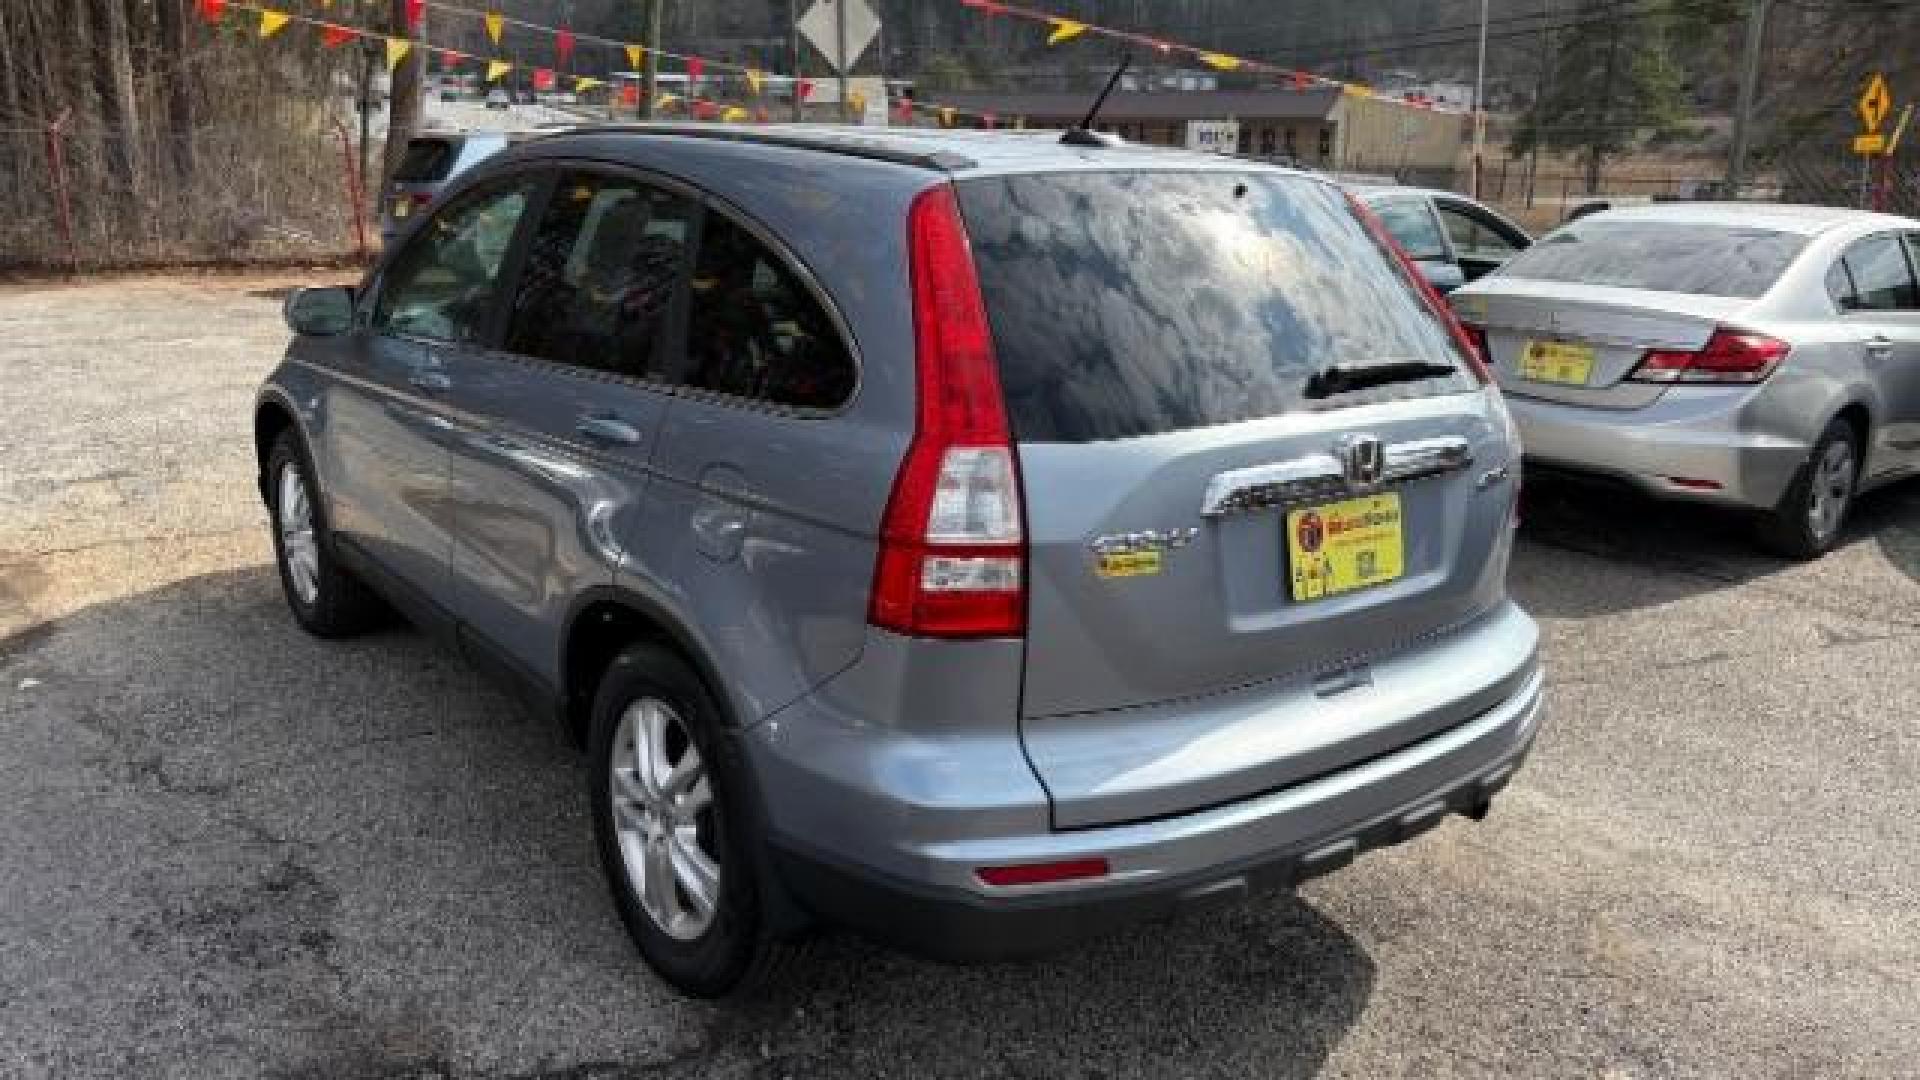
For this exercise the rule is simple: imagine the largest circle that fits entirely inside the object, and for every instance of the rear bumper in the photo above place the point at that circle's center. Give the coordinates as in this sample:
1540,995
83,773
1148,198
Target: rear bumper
1163,866
1700,444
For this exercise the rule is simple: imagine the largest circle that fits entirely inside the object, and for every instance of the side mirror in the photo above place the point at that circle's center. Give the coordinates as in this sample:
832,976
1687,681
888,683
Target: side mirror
319,312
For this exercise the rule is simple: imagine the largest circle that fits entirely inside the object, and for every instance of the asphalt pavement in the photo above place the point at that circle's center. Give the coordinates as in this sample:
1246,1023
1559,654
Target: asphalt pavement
227,849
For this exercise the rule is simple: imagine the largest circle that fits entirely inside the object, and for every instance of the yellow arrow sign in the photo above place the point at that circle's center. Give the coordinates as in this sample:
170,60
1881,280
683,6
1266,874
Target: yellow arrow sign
1875,103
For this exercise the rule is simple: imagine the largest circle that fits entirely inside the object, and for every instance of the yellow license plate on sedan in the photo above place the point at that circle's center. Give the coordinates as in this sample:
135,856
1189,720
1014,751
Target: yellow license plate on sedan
1343,546
1557,362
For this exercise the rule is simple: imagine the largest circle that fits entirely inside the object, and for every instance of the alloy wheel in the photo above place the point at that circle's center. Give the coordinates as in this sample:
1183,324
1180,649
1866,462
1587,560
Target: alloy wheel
1832,489
665,817
297,545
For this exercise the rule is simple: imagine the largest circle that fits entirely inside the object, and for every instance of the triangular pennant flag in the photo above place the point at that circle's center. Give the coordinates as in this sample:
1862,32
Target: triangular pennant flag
734,115
397,49
696,67
496,69
1220,61
416,11
562,46
582,84
210,10
496,25
543,78
333,36
1065,30
805,88
271,22
634,53
754,78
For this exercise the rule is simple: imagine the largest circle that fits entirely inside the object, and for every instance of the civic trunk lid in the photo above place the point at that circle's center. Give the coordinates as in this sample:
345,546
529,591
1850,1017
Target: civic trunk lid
1578,344
1219,385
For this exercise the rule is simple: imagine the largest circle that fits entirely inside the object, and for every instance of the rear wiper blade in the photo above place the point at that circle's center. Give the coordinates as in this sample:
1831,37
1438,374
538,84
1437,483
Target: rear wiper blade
1345,379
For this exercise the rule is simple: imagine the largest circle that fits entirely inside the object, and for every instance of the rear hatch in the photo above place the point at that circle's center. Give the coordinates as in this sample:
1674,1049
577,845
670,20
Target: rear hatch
1572,317
1188,360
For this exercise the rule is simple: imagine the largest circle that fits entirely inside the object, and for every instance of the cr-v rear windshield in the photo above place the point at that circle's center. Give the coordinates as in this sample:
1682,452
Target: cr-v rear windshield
1661,256
425,162
1132,303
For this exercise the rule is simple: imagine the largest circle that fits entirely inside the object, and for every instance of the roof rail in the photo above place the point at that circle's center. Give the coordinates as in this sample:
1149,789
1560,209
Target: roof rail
828,141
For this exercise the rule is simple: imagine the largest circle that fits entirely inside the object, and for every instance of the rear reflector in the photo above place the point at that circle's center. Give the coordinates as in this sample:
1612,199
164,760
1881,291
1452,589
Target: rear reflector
1729,356
1042,873
952,560
1694,484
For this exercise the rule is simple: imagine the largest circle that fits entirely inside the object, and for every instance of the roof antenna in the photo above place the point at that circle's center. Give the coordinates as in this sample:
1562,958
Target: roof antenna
1083,133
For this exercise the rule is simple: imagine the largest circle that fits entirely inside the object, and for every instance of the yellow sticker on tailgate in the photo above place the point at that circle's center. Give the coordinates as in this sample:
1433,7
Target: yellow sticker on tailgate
1557,362
1344,546
1129,564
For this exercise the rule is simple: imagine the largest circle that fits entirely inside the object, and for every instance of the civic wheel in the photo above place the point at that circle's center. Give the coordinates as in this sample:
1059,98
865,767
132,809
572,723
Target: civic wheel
1811,515
676,826
664,814
325,599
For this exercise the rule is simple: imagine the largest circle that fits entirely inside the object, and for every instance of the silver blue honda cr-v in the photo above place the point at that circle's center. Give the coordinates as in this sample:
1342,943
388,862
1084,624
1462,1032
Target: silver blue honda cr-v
980,540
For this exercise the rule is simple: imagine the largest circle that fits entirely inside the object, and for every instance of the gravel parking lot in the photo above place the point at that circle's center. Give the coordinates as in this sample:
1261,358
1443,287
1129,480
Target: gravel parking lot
229,850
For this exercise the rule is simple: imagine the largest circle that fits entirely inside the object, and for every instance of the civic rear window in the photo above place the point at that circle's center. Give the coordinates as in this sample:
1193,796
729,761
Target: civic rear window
425,162
1661,256
1132,303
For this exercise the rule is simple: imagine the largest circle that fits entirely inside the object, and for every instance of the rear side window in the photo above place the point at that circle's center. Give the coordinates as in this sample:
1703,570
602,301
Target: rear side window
1661,256
1132,303
1882,280
1411,224
601,275
754,329
425,162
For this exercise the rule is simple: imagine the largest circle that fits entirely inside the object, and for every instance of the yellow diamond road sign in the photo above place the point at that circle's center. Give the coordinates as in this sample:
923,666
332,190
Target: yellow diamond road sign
1875,103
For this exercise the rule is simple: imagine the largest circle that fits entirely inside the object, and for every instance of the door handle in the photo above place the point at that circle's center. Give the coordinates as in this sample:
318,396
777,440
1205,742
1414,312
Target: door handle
1880,348
608,429
431,381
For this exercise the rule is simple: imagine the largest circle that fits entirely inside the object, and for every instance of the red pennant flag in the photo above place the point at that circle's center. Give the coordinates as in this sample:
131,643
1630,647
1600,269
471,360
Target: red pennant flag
333,36
696,67
416,10
211,10
806,89
630,94
543,78
563,45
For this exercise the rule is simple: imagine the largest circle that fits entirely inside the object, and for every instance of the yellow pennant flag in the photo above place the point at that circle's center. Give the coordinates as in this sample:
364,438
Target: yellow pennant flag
496,24
497,68
271,21
734,115
1065,30
755,78
397,49
582,83
634,53
1220,61
665,100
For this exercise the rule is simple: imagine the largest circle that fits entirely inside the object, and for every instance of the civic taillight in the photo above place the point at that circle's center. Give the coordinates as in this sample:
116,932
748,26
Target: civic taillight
1729,356
952,559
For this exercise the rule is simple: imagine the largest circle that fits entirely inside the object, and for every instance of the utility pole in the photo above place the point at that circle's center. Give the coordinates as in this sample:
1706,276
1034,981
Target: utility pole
1749,89
1480,102
1605,128
793,58
840,42
653,57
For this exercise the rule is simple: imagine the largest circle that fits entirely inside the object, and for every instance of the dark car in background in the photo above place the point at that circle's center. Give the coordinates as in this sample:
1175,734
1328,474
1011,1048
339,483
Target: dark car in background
1453,239
433,159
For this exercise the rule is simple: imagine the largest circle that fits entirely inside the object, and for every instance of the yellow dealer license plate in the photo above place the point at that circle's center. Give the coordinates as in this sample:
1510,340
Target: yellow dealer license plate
1344,546
1557,362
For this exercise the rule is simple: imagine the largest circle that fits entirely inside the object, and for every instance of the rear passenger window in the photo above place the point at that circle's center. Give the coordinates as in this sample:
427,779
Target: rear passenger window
1882,279
755,331
601,275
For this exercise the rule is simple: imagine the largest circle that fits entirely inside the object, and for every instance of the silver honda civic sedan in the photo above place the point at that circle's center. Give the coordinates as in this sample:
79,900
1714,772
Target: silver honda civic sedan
1755,356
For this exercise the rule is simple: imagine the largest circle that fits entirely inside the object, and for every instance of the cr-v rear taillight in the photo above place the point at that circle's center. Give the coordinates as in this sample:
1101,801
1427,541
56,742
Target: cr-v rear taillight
952,559
1729,356
1474,353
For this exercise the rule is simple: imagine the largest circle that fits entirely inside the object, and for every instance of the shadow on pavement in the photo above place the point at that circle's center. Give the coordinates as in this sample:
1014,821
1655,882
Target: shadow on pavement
233,850
1671,551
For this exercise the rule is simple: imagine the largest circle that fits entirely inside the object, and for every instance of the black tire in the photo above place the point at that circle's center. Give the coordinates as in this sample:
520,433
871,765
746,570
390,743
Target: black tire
1790,530
736,949
340,605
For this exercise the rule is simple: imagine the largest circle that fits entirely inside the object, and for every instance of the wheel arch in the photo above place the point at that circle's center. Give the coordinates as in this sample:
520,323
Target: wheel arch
273,416
603,621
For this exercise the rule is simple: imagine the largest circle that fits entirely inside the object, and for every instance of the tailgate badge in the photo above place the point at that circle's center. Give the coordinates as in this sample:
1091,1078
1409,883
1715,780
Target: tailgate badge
1137,554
